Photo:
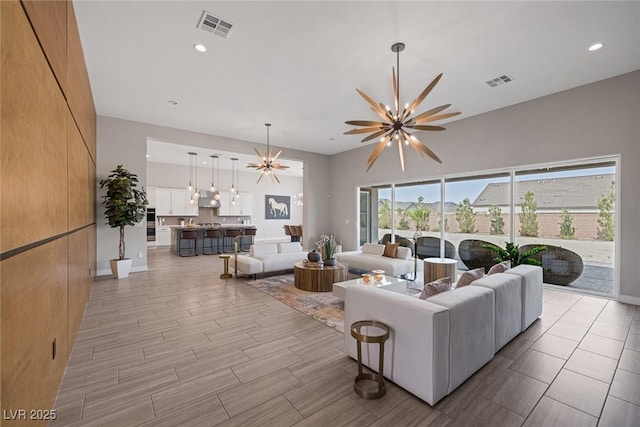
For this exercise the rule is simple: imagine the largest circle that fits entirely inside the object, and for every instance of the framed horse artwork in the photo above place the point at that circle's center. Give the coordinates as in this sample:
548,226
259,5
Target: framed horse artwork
277,207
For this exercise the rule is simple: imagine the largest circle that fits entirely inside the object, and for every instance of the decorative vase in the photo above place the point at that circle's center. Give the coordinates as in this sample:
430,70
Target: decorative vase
314,256
331,262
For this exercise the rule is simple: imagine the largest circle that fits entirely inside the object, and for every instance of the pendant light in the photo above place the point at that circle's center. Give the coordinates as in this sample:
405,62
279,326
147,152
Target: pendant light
233,184
237,196
214,190
190,186
267,164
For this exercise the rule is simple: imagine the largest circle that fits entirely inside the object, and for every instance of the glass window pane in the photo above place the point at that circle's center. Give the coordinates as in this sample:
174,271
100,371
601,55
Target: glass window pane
570,210
477,212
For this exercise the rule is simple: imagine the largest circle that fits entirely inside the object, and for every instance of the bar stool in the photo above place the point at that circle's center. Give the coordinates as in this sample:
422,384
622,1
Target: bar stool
230,235
246,240
189,236
287,231
296,233
214,238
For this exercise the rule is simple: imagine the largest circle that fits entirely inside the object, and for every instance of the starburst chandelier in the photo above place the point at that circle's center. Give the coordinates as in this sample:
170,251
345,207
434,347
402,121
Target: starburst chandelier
397,125
267,164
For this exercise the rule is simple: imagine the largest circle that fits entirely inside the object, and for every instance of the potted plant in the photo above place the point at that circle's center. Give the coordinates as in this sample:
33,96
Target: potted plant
327,246
124,205
512,253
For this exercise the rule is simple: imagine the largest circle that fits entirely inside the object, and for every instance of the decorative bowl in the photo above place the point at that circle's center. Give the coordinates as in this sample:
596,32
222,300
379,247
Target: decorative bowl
366,277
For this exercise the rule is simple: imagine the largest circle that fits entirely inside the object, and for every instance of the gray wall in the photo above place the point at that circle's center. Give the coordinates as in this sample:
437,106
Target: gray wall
125,142
599,119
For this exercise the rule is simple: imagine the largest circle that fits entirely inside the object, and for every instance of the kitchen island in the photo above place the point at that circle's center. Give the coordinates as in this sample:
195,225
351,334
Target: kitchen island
222,243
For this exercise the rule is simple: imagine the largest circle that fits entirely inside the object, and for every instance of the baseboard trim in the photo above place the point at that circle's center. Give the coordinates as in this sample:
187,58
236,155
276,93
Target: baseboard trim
627,299
107,272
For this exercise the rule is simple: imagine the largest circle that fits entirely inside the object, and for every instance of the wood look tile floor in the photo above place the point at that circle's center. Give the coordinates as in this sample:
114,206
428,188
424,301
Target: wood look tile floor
178,346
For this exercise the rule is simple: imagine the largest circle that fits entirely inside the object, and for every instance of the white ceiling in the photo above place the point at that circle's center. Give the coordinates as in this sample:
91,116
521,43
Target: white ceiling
297,64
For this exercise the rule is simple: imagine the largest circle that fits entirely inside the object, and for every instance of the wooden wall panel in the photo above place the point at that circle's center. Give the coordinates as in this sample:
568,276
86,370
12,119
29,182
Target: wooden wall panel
49,19
92,254
78,175
34,313
79,281
92,190
34,137
79,90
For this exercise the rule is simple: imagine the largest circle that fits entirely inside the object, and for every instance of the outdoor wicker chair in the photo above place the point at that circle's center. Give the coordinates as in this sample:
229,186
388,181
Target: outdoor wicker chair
429,247
560,266
474,255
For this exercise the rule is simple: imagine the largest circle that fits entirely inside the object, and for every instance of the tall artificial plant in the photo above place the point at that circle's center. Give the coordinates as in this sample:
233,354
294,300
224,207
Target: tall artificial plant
124,203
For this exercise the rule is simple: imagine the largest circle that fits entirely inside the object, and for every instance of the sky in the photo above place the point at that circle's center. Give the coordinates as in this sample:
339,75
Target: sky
456,191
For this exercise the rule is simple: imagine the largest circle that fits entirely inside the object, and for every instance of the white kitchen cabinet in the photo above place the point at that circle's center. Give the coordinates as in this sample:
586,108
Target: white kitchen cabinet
173,202
151,196
163,236
242,207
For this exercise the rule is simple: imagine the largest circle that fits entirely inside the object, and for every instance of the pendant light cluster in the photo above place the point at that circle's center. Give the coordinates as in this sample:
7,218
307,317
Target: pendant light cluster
215,171
192,188
266,164
397,124
235,192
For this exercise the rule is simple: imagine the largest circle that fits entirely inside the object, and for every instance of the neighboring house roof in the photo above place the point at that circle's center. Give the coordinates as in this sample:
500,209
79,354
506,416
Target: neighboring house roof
580,192
433,206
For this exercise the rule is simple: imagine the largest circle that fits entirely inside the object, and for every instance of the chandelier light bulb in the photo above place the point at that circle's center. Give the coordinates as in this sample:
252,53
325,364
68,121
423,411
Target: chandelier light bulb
217,196
189,188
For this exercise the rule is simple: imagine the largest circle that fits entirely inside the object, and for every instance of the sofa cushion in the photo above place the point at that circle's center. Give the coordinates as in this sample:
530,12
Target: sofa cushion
283,261
500,268
247,264
435,287
531,292
373,249
469,276
368,262
287,247
471,336
403,253
390,250
263,249
507,290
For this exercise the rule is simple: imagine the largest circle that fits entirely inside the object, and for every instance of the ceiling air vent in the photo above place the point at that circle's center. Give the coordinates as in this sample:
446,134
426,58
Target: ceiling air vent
500,80
215,25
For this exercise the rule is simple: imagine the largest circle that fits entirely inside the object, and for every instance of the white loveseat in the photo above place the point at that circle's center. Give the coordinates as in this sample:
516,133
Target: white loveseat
437,343
269,257
370,258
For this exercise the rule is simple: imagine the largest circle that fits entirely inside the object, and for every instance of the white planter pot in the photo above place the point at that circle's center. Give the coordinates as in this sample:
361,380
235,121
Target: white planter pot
120,267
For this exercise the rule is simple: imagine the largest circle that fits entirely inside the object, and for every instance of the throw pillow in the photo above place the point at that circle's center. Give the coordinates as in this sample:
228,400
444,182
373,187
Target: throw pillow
469,276
433,288
500,268
390,250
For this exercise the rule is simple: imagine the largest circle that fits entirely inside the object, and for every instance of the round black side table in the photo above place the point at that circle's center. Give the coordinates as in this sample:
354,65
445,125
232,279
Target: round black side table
376,333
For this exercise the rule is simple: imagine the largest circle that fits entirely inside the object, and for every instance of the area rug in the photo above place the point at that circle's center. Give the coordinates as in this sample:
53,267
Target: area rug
322,306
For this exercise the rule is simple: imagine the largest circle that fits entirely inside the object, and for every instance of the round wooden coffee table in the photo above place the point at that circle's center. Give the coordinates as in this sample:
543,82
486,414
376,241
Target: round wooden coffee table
309,276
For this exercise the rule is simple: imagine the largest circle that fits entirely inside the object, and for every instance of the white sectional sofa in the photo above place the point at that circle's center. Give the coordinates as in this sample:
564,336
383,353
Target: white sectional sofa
269,257
370,258
437,343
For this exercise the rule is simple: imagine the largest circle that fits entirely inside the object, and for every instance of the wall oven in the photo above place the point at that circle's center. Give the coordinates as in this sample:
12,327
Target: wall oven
151,225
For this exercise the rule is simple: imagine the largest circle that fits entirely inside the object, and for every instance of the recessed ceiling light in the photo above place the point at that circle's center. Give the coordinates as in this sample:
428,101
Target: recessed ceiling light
595,46
172,102
200,47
